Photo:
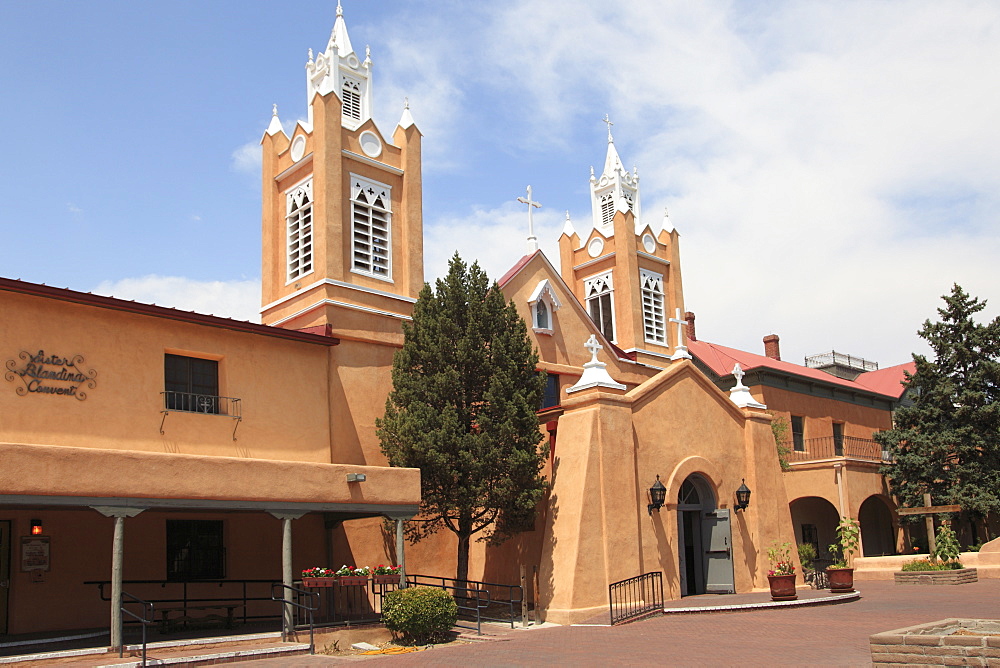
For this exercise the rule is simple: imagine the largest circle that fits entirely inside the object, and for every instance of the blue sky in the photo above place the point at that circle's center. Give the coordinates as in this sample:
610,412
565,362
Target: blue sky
831,167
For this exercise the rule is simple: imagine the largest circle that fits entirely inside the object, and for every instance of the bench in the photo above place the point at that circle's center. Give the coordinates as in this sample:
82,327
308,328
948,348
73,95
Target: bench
173,618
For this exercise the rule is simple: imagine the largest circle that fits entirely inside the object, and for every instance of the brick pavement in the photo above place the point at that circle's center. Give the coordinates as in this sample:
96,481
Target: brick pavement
832,635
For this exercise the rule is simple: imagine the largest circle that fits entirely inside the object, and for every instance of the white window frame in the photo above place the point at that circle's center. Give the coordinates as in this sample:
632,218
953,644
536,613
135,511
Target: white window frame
543,297
352,98
594,289
607,208
654,324
299,219
363,216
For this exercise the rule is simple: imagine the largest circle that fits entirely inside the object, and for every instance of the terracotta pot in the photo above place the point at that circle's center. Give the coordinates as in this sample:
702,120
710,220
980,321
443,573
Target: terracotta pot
841,580
386,579
782,587
352,580
318,582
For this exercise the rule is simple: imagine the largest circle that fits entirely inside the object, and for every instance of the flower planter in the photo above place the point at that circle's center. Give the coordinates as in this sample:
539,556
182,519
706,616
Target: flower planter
782,587
955,576
352,580
318,582
386,579
841,580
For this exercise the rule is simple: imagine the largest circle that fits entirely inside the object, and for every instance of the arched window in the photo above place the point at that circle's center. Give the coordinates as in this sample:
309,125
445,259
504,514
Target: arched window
371,215
298,230
542,315
351,97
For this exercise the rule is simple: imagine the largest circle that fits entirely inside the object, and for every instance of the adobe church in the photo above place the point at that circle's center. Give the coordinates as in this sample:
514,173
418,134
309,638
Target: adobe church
246,453
343,253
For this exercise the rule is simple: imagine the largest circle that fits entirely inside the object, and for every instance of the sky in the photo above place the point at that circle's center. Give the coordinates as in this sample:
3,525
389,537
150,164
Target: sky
832,168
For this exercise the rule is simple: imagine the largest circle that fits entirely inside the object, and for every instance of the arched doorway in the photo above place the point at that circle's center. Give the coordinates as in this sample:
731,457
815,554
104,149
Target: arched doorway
877,535
704,540
815,521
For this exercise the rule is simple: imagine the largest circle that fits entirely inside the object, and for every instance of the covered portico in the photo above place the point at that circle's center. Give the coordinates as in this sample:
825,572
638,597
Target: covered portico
261,499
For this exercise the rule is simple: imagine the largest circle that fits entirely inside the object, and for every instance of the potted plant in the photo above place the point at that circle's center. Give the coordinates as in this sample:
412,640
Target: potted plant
386,574
781,577
318,577
840,573
353,577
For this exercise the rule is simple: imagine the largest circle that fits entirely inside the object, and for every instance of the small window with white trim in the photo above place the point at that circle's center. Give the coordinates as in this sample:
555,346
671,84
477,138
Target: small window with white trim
607,208
543,303
371,217
653,324
299,230
599,292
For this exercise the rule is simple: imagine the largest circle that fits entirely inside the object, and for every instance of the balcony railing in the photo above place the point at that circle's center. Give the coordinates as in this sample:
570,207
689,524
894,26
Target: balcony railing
186,402
829,447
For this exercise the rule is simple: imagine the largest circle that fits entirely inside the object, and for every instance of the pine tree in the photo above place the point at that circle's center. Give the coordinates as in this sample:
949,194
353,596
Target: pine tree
463,410
947,442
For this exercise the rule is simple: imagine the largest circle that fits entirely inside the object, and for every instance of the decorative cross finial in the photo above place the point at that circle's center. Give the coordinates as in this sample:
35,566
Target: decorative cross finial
607,120
532,239
274,110
340,10
310,54
680,350
738,374
406,103
593,346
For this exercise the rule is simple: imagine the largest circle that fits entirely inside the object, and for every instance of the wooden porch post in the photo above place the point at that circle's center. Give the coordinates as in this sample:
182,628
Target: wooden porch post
400,553
117,567
287,616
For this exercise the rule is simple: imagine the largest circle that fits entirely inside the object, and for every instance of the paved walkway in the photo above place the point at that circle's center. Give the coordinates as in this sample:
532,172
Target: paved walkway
827,635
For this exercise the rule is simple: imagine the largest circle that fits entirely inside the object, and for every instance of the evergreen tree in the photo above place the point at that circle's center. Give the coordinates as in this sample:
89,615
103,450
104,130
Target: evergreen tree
463,410
947,442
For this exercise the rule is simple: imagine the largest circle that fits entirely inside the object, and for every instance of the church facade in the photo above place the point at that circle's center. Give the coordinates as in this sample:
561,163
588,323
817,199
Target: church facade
153,445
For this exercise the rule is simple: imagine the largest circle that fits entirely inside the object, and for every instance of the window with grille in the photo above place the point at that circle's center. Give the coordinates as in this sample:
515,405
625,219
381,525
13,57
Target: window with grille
195,550
299,230
652,307
191,384
600,306
371,215
351,94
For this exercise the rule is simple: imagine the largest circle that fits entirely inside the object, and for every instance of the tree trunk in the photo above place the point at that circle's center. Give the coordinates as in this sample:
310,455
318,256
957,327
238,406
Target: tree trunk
464,537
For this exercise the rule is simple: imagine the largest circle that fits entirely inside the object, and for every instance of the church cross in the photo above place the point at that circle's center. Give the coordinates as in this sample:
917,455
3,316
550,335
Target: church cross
928,511
608,120
532,239
738,374
680,326
593,346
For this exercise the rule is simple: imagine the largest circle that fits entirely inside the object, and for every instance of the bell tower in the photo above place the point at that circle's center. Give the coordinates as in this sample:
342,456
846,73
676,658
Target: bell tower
626,271
342,213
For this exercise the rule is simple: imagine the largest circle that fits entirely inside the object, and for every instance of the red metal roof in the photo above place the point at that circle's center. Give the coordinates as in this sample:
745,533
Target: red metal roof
721,361
888,380
100,301
516,268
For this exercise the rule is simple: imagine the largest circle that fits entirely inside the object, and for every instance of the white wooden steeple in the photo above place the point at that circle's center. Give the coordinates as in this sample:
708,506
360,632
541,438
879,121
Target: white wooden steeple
339,69
616,189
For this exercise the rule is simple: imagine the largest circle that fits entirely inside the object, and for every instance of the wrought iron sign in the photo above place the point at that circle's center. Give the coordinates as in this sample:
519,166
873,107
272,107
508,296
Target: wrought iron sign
50,374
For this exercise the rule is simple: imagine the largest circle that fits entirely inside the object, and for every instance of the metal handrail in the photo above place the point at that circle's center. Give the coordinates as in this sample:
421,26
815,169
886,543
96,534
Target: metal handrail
189,402
310,610
146,605
477,595
635,597
186,600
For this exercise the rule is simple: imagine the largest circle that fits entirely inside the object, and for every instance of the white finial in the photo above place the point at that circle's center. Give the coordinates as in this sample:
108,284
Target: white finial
310,55
740,394
368,55
607,120
680,350
595,373
274,110
340,10
532,240
592,177
406,103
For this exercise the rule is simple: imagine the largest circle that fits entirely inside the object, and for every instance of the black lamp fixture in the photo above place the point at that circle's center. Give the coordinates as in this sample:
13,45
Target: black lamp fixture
36,527
657,494
742,496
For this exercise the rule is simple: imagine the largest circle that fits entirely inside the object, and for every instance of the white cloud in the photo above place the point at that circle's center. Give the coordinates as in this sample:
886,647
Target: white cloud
247,158
237,299
831,167
73,208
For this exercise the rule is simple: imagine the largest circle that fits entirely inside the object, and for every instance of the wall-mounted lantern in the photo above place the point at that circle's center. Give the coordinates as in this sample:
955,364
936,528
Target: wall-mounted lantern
36,528
742,496
657,494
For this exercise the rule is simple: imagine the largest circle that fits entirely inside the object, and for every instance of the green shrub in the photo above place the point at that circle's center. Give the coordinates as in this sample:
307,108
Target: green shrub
947,547
931,565
419,614
807,554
